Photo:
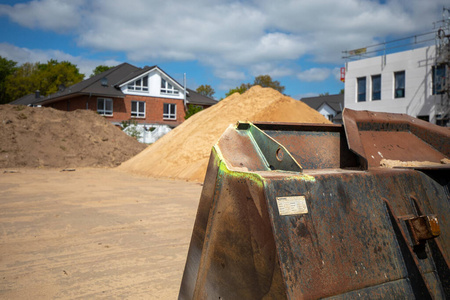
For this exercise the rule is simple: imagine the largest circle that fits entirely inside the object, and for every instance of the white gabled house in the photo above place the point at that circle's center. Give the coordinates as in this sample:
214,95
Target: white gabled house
146,96
329,106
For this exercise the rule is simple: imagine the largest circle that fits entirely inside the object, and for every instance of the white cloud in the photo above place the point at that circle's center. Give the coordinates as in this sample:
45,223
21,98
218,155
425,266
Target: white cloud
234,75
23,55
204,30
274,69
235,38
314,74
336,73
55,15
331,27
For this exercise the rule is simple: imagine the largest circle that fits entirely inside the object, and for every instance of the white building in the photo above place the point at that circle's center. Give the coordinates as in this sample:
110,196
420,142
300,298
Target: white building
411,82
329,106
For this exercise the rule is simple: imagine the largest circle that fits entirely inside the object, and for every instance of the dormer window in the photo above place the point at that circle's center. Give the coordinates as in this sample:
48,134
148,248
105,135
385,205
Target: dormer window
139,85
167,88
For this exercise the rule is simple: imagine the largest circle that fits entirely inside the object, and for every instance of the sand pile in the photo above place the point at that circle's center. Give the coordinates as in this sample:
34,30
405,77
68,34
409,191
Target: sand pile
46,137
390,163
183,153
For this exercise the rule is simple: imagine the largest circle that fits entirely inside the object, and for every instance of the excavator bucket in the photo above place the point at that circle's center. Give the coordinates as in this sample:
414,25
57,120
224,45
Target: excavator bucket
302,211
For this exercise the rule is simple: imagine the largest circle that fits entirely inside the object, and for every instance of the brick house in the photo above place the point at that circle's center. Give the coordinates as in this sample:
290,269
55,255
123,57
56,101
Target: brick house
146,95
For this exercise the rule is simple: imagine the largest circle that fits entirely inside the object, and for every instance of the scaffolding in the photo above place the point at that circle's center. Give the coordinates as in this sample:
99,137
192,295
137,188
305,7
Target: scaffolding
406,43
441,82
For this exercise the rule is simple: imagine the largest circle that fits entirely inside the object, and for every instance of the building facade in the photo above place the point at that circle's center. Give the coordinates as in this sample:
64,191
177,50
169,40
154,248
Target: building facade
413,82
147,99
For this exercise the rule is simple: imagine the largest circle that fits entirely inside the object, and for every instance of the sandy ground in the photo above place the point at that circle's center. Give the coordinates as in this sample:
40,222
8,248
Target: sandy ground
93,233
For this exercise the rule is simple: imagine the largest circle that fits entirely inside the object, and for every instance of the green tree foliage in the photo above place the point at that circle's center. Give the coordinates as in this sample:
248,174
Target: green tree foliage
100,69
239,89
7,67
206,90
130,128
262,80
22,82
266,81
192,110
55,75
47,78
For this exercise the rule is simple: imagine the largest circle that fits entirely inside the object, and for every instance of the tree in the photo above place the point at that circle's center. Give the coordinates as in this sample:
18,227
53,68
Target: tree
22,82
192,110
266,81
7,67
47,78
262,80
206,90
239,89
100,69
55,75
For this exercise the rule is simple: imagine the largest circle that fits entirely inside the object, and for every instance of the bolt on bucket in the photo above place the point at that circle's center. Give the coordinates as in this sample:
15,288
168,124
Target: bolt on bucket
304,211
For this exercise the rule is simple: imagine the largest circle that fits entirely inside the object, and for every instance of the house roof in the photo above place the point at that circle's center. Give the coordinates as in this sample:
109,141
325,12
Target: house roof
115,77
196,98
135,74
336,102
94,84
27,100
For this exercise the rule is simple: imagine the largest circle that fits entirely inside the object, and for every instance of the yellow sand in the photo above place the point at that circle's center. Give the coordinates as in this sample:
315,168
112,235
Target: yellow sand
184,152
389,163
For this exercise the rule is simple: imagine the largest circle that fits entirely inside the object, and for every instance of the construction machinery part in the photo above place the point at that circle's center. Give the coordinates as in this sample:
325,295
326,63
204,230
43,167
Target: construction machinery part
302,211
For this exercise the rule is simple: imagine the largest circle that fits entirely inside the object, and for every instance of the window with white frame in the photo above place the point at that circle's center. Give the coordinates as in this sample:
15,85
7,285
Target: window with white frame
399,84
361,85
139,85
105,106
138,109
167,88
170,111
376,87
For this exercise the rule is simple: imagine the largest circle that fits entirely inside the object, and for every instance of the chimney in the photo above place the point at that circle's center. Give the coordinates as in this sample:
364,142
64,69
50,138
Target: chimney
37,94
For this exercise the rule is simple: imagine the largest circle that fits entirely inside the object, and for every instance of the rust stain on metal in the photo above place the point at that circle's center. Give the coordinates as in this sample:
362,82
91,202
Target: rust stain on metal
301,211
375,136
424,228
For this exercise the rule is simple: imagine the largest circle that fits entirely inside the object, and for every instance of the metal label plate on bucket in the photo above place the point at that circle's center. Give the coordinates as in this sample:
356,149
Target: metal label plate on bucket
295,205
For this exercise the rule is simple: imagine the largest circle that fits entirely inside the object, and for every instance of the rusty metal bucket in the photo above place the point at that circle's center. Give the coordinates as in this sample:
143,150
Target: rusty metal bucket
292,211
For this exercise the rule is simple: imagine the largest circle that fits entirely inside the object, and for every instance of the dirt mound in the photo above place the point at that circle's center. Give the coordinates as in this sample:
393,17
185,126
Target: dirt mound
46,137
183,153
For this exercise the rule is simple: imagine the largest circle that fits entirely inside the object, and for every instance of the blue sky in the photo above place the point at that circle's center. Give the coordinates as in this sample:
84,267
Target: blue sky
220,43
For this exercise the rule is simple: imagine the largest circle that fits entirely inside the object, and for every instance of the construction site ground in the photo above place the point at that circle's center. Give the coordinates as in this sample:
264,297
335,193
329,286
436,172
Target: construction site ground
108,226
93,233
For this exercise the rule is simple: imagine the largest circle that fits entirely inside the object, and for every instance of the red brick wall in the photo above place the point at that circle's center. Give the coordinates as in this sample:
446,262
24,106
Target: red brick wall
76,103
154,108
